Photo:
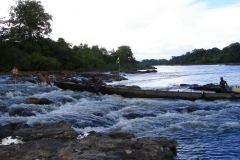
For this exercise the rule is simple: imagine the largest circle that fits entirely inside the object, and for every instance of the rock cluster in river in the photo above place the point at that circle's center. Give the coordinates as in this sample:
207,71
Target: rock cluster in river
59,141
207,87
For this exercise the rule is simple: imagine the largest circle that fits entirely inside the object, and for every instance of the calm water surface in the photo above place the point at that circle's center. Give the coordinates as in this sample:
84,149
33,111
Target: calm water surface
203,129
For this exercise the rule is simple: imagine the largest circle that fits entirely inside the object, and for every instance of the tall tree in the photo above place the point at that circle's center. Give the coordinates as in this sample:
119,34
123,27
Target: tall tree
29,21
125,54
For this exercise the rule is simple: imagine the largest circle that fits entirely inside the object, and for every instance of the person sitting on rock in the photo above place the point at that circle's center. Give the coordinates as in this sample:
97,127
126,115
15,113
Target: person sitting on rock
223,85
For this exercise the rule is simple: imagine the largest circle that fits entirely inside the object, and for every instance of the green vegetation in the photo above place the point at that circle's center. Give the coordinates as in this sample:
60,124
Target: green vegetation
154,62
24,44
229,54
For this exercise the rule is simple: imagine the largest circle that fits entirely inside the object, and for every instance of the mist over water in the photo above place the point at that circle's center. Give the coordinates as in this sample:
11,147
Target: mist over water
203,129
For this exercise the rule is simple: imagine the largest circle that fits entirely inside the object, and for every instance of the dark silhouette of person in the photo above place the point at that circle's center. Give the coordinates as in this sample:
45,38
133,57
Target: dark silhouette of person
95,85
223,85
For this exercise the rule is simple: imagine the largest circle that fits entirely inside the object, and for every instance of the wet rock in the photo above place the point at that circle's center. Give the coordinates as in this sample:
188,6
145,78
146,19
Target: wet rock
3,108
135,115
129,87
207,87
8,129
187,110
104,77
134,87
64,100
190,85
59,141
98,114
21,112
5,131
33,100
57,130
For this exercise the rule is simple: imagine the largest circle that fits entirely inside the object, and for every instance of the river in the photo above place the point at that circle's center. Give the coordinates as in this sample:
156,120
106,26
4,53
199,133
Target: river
203,129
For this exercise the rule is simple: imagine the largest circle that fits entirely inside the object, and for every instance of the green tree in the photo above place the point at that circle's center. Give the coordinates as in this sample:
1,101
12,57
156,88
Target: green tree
29,21
36,61
125,54
231,53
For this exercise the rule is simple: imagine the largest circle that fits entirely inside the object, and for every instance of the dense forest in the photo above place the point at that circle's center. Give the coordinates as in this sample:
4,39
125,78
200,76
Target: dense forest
24,43
229,54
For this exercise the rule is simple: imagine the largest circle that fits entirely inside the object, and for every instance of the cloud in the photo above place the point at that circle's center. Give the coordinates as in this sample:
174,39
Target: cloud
153,29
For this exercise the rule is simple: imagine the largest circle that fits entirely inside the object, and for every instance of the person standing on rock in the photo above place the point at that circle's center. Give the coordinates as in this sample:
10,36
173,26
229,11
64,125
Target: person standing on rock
95,85
15,73
48,80
39,78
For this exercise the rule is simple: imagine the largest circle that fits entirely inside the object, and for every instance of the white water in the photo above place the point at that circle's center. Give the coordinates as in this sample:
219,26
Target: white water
203,129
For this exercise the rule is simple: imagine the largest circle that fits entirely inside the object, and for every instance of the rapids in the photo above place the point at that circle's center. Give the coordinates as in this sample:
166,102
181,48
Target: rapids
203,129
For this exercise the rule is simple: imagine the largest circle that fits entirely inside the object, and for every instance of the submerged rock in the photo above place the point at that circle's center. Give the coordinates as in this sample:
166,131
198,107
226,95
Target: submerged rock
39,100
136,115
60,141
21,112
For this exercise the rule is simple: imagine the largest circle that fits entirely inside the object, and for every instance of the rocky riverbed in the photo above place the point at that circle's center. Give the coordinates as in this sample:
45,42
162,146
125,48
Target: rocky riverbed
85,78
59,141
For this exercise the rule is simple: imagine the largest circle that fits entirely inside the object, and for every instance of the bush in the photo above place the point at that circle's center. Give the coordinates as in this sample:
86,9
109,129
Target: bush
36,61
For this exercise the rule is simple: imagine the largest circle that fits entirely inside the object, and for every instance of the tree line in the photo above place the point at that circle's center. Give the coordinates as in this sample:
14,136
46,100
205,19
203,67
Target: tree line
229,54
24,44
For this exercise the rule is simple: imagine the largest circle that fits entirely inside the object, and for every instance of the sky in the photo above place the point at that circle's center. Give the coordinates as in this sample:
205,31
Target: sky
153,29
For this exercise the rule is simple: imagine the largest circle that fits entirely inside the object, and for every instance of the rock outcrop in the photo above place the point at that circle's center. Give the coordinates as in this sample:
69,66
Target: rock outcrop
59,141
207,87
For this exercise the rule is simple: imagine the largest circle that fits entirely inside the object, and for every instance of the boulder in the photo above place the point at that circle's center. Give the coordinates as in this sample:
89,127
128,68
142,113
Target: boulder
60,130
33,100
60,141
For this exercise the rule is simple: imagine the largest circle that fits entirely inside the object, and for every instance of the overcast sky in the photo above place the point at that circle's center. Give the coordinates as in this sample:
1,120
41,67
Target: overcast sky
153,29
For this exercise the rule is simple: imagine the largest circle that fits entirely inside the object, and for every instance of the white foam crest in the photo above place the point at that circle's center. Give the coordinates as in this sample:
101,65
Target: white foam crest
13,94
83,101
141,101
129,109
112,98
55,93
89,129
206,114
193,124
63,111
32,107
82,106
137,125
228,125
122,124
171,115
115,115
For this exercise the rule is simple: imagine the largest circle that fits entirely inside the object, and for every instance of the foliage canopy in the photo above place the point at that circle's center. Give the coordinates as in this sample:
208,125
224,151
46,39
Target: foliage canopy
29,21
